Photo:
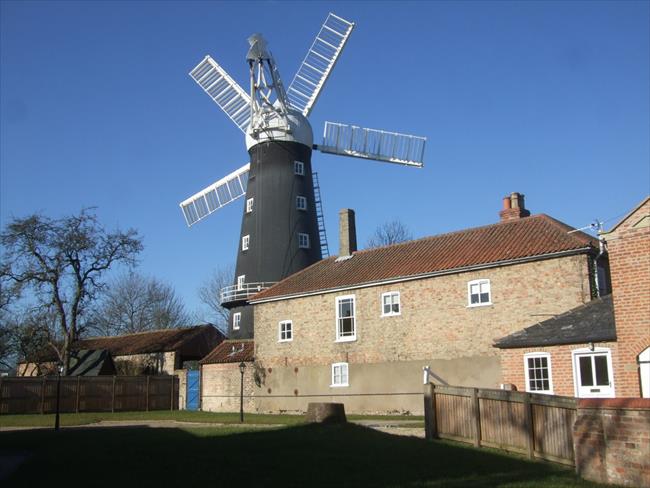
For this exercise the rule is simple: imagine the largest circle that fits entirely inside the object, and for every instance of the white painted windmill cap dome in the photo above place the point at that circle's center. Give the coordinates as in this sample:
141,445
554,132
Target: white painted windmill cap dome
300,131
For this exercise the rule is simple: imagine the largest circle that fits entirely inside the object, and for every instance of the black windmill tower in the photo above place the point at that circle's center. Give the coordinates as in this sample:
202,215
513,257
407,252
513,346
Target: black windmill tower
282,227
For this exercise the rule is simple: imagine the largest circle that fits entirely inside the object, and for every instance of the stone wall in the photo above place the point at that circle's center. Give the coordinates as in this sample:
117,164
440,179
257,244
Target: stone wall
221,386
611,439
153,363
435,321
182,388
628,246
513,369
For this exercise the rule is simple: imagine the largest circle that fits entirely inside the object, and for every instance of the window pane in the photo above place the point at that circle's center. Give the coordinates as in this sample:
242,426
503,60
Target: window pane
396,308
485,297
346,327
586,373
386,308
345,308
474,298
602,374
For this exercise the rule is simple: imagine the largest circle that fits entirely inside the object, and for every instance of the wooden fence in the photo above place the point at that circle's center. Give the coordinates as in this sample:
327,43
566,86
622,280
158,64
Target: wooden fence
88,394
539,426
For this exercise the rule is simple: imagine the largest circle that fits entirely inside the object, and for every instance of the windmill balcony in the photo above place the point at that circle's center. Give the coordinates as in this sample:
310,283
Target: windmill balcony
236,295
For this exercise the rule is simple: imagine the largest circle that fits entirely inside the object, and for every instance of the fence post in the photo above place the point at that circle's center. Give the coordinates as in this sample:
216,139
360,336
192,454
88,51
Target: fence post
476,417
43,396
528,423
171,398
146,403
113,397
76,404
430,421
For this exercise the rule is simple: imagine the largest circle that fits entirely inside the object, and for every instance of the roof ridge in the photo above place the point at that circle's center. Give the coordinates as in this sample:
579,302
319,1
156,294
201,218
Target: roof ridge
143,332
540,216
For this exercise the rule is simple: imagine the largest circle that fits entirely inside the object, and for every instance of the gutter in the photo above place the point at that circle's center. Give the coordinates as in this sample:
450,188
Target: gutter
421,276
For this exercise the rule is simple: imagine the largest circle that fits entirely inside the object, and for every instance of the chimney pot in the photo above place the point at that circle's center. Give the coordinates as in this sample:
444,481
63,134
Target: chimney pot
347,232
513,207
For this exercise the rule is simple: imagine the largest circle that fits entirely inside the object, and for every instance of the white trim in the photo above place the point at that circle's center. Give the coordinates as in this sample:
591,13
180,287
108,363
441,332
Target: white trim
303,239
480,282
301,202
249,205
245,241
644,372
236,320
609,392
241,281
399,304
347,338
422,276
532,355
347,375
280,339
296,166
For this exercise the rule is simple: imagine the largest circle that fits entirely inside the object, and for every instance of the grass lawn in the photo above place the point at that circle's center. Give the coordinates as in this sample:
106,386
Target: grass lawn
237,456
37,420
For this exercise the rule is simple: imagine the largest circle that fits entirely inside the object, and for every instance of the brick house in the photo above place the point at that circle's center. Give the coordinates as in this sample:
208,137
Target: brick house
600,349
151,352
360,328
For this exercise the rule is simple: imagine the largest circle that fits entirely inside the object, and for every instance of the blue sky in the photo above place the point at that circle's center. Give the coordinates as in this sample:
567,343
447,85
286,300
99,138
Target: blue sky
550,99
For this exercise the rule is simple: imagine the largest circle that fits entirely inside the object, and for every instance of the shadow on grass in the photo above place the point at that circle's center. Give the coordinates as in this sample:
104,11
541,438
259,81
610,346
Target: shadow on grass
306,455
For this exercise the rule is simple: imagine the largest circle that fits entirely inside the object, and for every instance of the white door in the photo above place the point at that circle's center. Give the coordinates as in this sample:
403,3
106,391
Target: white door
593,373
644,372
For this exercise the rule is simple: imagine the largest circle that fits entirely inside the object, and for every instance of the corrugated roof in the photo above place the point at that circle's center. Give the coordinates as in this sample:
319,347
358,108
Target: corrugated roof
231,351
591,322
510,240
145,342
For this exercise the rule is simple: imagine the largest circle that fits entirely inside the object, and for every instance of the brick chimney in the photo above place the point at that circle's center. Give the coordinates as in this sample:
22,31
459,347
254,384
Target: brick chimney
513,207
347,232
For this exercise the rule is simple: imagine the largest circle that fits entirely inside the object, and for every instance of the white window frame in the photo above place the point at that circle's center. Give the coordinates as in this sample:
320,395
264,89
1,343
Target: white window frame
479,282
303,241
245,241
301,202
249,205
241,281
391,313
353,336
299,168
343,376
533,355
288,329
236,320
586,391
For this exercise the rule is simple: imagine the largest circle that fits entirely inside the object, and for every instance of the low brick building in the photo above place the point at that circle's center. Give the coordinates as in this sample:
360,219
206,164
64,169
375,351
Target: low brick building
361,327
601,349
151,352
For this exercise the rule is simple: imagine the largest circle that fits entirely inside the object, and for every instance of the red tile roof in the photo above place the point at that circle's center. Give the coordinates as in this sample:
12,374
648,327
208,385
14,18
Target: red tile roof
530,237
151,341
231,351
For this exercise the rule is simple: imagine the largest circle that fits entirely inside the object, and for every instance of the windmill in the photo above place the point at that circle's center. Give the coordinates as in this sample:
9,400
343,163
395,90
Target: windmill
282,228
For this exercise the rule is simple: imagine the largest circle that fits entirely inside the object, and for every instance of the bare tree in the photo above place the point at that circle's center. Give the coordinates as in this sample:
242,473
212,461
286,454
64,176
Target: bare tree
392,232
136,303
58,264
209,296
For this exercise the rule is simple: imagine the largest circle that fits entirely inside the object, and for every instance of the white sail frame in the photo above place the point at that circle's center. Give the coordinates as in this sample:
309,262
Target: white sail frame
220,193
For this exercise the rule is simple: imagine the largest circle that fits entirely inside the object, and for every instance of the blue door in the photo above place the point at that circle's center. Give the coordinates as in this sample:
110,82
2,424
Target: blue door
193,390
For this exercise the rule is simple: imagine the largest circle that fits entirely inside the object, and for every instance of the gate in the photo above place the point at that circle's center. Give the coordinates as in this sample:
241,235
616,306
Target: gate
193,390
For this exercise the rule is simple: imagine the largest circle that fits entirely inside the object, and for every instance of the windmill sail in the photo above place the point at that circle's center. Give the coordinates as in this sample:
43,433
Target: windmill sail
225,91
318,64
216,195
359,142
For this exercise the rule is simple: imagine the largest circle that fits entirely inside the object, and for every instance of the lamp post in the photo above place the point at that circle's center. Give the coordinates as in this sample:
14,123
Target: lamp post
242,367
59,370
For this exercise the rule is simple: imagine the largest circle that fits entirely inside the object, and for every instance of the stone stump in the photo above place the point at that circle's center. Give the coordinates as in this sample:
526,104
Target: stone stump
326,413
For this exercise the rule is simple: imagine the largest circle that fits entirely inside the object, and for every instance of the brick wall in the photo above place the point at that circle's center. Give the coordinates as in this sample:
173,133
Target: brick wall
435,321
513,369
611,439
160,362
221,386
628,246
